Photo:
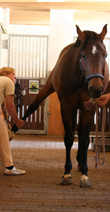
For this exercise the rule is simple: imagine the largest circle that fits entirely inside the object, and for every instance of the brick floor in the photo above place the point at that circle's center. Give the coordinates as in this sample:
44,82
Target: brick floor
39,190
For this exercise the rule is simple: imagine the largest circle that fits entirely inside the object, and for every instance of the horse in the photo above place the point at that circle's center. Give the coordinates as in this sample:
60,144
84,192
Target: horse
81,73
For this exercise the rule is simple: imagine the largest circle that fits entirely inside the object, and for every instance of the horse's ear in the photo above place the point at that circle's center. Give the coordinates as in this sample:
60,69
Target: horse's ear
103,33
80,33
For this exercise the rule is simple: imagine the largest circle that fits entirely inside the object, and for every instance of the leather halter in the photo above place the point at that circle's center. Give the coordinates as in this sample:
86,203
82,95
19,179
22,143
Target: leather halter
89,77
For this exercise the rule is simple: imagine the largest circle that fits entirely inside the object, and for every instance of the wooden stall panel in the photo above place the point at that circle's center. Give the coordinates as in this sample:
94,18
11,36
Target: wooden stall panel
36,122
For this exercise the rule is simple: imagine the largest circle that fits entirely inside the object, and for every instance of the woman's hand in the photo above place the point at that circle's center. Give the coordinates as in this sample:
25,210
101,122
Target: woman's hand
19,123
101,101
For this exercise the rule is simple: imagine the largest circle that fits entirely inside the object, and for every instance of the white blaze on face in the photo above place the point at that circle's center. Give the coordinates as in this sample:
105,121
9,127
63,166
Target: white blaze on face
94,50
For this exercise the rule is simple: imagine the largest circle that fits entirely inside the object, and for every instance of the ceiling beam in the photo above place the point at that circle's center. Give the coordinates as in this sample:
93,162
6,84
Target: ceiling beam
30,17
46,6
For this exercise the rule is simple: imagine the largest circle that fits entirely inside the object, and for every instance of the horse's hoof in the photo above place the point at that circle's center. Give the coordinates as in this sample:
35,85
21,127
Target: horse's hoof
85,182
66,179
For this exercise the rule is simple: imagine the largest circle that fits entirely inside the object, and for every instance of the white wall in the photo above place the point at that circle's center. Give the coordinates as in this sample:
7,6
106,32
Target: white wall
29,29
61,33
4,20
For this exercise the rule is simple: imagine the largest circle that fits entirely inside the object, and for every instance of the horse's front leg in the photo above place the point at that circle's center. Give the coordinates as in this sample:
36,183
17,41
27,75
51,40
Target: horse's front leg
68,140
69,124
83,135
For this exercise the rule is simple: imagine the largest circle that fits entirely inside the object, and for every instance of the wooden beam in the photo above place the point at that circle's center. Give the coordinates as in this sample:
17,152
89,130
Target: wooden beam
92,15
30,17
45,6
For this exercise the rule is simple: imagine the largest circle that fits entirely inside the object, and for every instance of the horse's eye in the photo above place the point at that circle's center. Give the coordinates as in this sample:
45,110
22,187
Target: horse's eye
83,55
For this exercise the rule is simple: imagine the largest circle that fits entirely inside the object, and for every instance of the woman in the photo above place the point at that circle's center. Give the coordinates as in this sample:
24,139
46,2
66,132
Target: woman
7,81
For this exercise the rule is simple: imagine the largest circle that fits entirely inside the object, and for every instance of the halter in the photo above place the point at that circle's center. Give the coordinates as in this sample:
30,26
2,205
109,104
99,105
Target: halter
91,75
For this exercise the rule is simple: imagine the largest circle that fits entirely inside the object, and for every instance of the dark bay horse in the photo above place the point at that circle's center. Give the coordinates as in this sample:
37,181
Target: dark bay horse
80,73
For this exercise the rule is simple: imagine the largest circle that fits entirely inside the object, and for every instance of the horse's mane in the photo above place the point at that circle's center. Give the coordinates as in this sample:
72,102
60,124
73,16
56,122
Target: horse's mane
90,36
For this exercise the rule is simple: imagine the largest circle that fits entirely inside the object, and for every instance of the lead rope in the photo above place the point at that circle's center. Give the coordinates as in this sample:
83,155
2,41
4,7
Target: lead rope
98,145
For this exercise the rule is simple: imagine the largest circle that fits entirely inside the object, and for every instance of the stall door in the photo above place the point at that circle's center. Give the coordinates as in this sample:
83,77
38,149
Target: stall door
29,56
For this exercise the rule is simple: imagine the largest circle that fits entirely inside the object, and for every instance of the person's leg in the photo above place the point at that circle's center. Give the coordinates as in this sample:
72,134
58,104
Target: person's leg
5,151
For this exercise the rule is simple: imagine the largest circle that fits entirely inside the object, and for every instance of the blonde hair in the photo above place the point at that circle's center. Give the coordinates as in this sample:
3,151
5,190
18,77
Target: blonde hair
6,70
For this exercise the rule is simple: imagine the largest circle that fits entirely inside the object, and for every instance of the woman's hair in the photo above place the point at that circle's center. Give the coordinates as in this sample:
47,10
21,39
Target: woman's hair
6,70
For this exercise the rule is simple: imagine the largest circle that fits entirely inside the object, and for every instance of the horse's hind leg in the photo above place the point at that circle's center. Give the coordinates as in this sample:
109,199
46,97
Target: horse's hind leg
69,125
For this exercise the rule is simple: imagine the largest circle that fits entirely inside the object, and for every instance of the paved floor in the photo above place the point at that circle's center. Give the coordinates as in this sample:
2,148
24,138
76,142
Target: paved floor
39,190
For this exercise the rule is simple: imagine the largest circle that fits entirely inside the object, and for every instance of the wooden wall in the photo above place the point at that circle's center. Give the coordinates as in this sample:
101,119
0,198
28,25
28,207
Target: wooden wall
55,125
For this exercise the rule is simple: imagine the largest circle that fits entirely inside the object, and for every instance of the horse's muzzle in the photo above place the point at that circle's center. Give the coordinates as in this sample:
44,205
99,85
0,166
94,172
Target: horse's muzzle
95,93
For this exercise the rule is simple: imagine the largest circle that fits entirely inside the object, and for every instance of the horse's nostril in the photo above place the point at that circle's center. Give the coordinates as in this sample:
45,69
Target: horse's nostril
91,89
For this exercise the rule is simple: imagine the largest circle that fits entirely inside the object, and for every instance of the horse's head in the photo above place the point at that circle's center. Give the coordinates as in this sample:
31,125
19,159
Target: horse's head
92,59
